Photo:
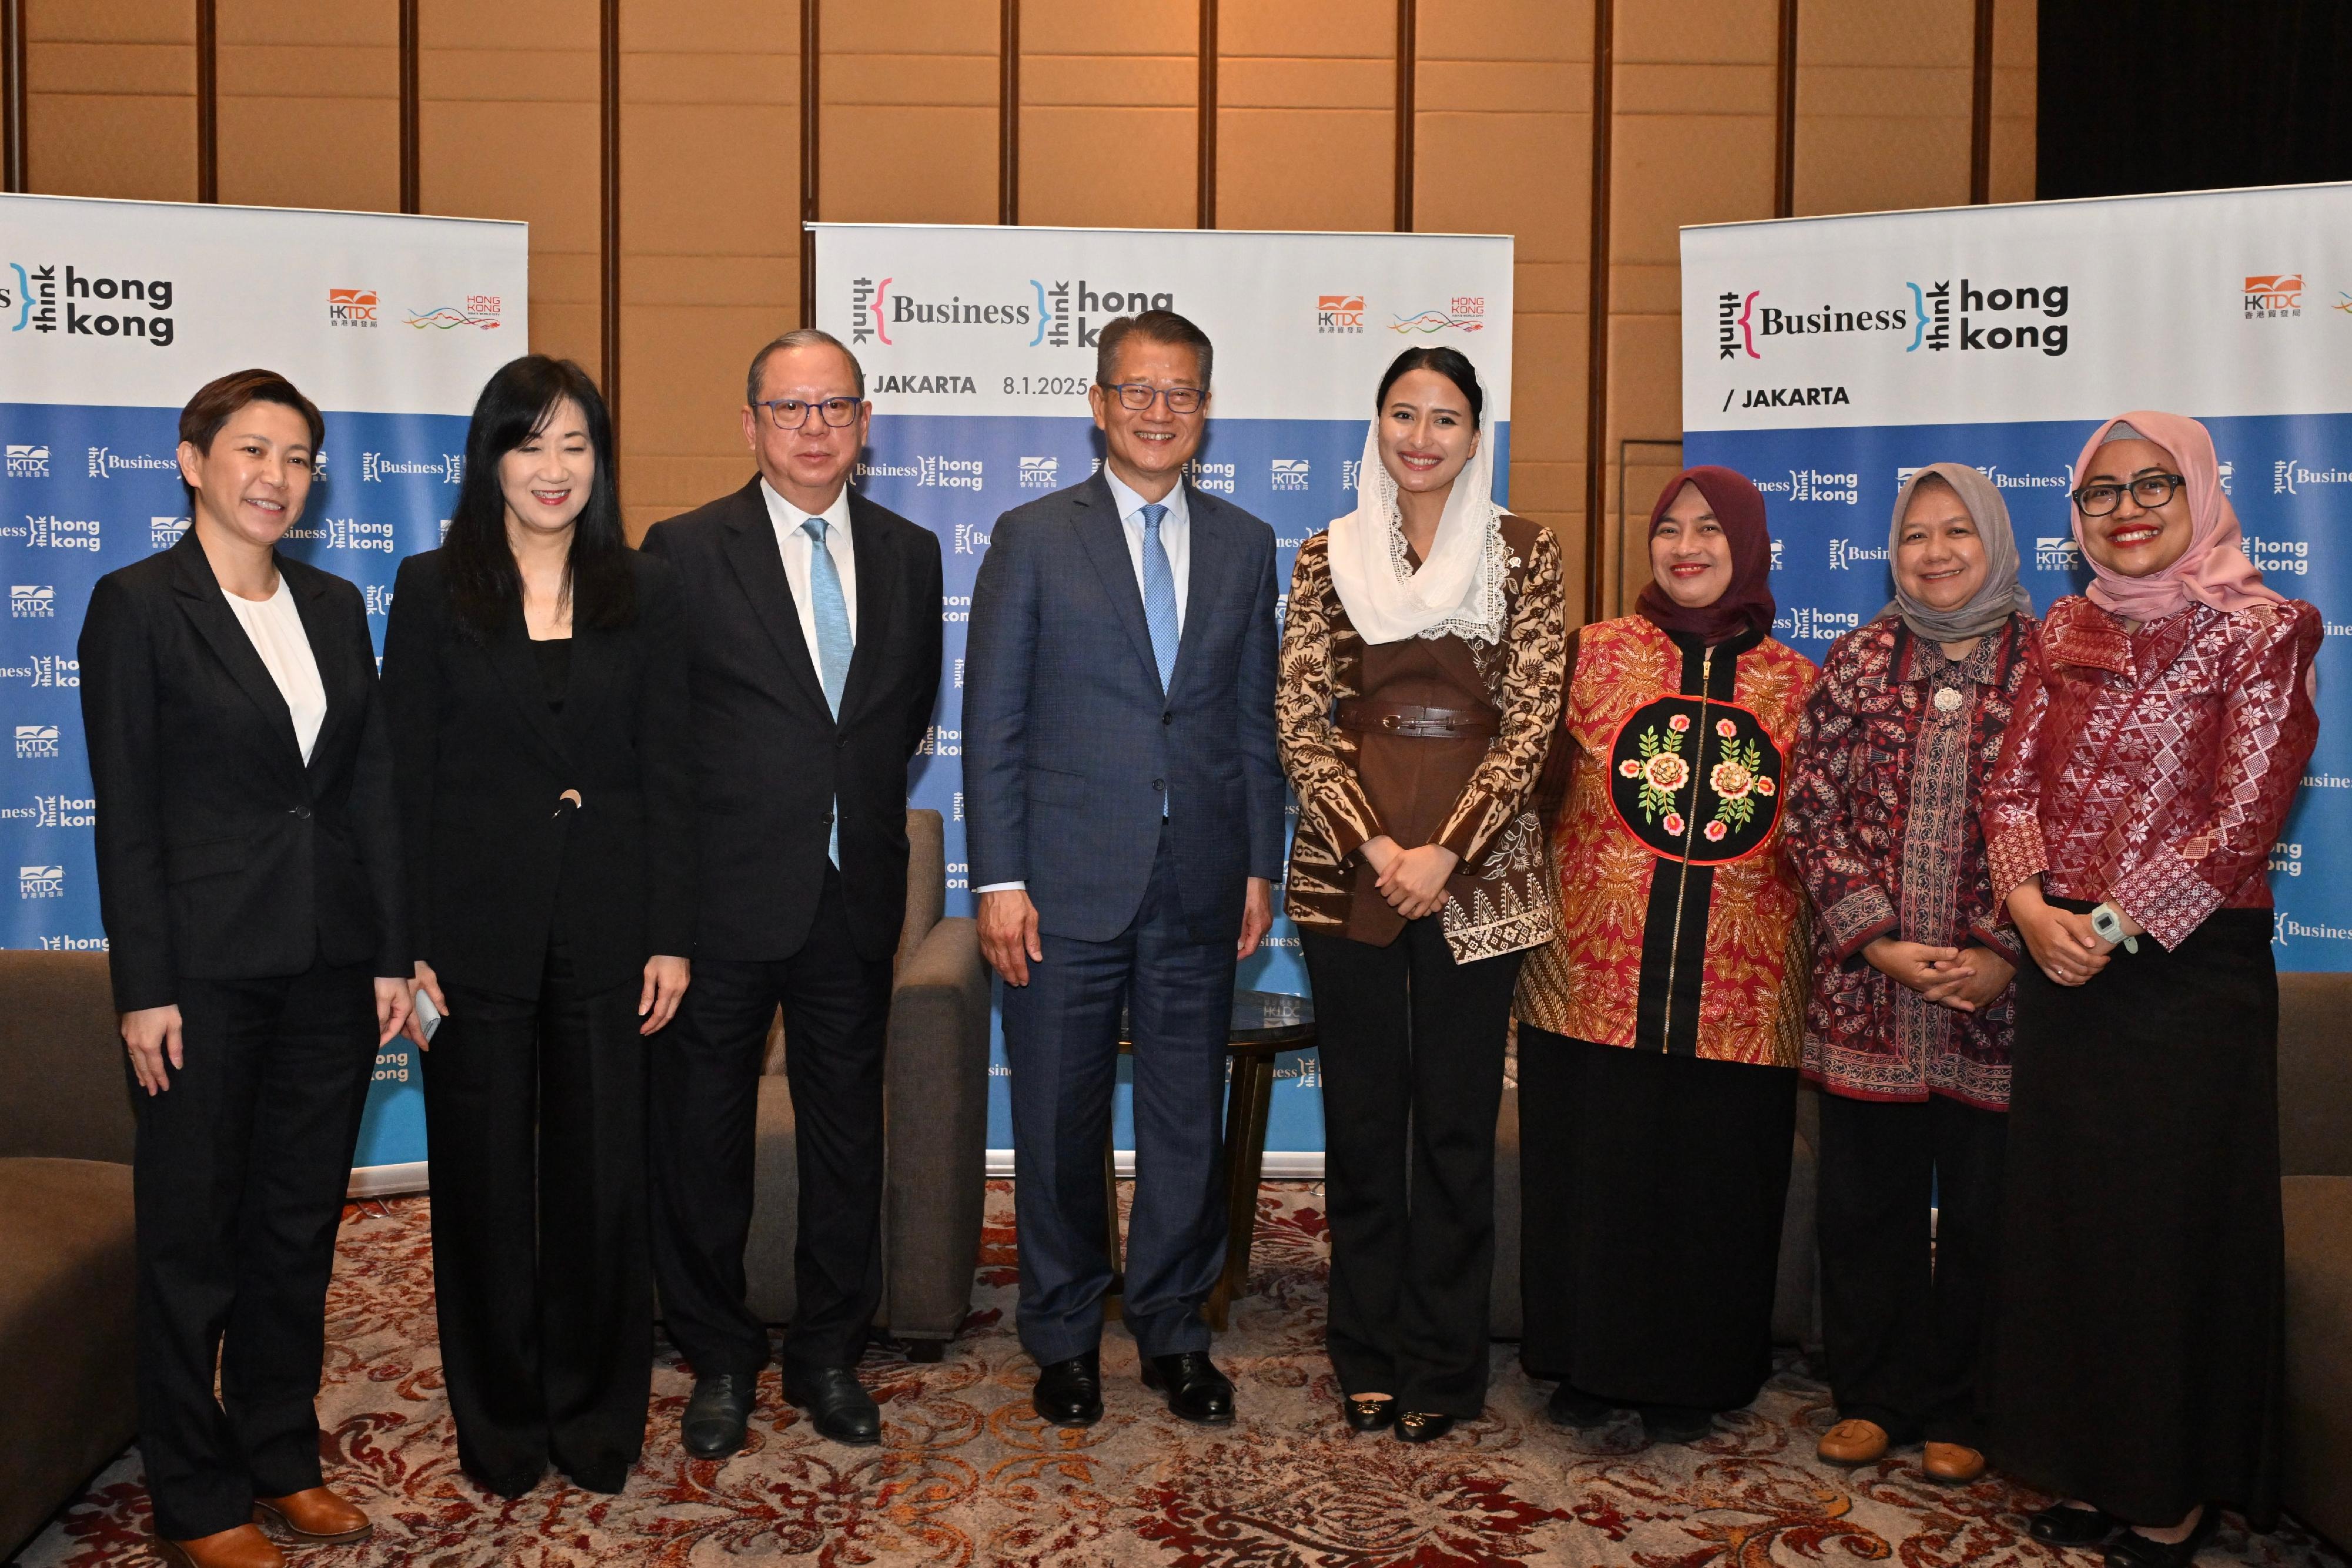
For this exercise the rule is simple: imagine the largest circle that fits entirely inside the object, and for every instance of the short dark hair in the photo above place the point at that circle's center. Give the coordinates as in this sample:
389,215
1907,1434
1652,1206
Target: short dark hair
1452,363
485,585
799,337
217,401
1152,327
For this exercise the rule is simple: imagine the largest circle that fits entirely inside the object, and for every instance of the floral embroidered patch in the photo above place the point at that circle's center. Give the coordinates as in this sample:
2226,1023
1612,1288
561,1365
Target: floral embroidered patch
1696,781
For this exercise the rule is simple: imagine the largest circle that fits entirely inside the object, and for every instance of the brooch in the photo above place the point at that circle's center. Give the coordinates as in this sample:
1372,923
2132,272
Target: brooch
1947,700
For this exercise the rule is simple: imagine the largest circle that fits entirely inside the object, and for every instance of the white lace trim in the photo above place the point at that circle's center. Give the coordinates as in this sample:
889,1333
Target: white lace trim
1480,620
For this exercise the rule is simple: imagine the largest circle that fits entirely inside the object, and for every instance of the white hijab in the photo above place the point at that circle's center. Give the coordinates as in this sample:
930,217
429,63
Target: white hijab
1458,589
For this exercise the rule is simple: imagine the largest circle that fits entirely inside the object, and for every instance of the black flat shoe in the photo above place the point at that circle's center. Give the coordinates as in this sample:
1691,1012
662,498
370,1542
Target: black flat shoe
718,1414
1196,1390
2131,1548
2061,1525
1422,1426
1069,1392
1676,1423
837,1404
1368,1414
1573,1409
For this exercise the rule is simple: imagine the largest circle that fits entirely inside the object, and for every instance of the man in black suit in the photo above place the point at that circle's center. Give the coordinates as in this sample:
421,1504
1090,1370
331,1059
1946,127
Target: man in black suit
815,617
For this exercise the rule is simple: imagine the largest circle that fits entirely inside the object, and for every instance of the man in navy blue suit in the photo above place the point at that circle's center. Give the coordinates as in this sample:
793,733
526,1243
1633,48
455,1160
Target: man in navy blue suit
1125,808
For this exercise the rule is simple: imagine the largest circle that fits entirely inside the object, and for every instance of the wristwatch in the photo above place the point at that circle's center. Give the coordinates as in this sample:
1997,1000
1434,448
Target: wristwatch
2108,922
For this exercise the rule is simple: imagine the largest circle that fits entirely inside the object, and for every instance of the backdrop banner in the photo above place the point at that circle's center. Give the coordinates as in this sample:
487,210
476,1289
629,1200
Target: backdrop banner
115,313
1828,357
979,345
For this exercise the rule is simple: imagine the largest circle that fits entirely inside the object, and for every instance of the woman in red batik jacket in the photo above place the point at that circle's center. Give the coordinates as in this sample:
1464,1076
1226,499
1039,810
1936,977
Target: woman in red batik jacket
2137,1325
1907,1031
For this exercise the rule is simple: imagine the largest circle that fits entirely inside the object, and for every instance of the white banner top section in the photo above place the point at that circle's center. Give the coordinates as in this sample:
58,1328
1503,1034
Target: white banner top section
136,304
2028,312
990,321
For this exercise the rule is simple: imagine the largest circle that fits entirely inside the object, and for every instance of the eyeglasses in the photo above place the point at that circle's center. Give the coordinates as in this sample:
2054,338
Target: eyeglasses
1139,397
2150,490
792,413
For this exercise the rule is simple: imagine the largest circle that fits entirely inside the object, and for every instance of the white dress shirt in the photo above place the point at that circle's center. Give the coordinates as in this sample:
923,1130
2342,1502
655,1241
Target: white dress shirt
274,626
792,540
1175,537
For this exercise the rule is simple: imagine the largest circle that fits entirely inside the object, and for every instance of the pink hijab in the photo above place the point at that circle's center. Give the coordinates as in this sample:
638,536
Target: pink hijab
2213,569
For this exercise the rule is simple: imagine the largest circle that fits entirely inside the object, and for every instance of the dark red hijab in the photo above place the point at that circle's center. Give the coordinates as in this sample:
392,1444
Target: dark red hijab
1747,602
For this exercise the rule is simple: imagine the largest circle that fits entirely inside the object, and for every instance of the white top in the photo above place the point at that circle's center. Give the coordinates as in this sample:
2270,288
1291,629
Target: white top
275,628
799,550
1175,535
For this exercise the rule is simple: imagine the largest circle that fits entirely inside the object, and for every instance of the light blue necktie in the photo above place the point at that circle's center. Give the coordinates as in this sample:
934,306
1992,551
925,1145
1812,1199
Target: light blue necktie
834,643
1160,602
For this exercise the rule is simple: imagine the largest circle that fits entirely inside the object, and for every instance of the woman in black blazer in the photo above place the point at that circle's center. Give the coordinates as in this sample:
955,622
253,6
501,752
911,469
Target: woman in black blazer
247,871
535,667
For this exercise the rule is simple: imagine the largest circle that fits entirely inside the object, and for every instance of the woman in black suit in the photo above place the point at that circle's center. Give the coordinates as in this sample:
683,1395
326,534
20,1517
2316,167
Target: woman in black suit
247,871
535,667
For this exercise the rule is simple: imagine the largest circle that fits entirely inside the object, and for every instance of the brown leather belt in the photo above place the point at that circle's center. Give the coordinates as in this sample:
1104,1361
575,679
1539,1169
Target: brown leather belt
1366,717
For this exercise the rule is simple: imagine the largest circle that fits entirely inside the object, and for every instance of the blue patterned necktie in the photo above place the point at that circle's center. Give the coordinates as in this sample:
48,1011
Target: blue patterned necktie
1158,594
834,643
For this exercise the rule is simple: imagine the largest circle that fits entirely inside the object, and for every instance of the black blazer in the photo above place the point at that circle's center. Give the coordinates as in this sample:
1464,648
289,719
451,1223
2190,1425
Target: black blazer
769,758
220,855
494,849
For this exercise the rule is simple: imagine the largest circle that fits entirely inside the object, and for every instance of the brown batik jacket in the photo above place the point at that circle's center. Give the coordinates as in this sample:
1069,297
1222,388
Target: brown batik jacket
1472,792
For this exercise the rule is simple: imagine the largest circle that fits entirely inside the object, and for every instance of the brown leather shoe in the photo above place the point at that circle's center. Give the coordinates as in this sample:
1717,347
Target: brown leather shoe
1954,1462
313,1517
244,1547
1852,1441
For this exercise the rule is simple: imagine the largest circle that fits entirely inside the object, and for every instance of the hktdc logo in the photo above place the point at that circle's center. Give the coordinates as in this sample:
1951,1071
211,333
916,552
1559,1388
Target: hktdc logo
2271,294
1040,472
163,533
1288,474
28,461
1342,314
36,743
2056,552
350,308
41,882
32,601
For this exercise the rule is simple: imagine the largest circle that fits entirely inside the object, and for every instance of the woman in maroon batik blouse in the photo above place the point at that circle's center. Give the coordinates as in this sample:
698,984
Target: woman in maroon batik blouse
1908,1031
2138,1320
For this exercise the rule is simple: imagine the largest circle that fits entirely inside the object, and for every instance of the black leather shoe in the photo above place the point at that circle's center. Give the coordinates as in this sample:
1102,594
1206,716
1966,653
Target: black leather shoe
2059,1525
1676,1423
1069,1392
2131,1548
837,1403
1368,1414
1422,1426
718,1413
1573,1409
1196,1390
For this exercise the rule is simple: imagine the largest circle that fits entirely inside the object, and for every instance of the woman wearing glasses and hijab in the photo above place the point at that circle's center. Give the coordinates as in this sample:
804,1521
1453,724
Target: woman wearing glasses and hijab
1660,1033
1420,682
2157,747
1907,1031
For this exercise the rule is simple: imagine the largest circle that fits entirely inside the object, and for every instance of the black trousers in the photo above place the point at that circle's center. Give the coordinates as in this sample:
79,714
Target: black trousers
1903,1313
536,1112
705,1078
238,1184
1411,1044
1061,1040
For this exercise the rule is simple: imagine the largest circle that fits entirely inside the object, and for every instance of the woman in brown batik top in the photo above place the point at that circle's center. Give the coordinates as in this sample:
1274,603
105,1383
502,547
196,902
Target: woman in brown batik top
1420,683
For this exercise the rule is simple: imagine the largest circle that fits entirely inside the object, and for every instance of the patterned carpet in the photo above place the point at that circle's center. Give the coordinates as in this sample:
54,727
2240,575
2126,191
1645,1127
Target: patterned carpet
967,1476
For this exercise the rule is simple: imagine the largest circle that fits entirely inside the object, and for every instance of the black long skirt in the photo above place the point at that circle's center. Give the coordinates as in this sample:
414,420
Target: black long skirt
1653,1187
2138,1330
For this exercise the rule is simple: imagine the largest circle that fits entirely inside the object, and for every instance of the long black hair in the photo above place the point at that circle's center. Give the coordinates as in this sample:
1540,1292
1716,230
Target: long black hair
1451,364
484,584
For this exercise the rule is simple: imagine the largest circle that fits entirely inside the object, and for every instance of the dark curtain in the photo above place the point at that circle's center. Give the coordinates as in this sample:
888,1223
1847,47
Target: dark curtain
2189,95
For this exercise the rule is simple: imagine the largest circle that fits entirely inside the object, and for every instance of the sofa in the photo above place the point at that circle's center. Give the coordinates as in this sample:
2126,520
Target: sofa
2316,1156
66,1404
935,1125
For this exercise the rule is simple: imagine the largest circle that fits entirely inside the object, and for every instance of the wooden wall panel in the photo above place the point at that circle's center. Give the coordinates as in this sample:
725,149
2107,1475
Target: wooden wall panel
508,129
1503,145
1306,116
1884,91
310,103
1108,113
709,235
110,99
907,111
2016,64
